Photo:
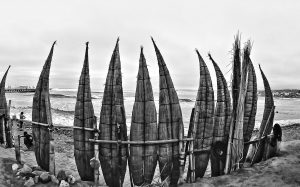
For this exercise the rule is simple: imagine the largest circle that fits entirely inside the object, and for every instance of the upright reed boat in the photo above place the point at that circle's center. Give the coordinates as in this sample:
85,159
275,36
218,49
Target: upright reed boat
267,120
203,125
170,125
143,158
41,113
250,100
3,106
113,157
222,121
236,141
84,118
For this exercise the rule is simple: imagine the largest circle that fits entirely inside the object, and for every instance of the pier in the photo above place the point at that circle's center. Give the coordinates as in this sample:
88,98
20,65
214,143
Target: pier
19,90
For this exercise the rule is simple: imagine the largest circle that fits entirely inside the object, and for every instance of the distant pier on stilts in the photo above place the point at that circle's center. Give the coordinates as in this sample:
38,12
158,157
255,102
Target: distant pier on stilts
19,90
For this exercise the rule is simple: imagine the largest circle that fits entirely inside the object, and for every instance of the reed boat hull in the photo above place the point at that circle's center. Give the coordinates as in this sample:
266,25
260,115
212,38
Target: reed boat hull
143,158
203,121
3,106
113,157
222,119
84,118
267,121
41,113
170,125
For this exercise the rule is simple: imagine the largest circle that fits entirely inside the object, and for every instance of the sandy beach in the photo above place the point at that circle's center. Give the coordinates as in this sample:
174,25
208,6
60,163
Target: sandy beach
283,170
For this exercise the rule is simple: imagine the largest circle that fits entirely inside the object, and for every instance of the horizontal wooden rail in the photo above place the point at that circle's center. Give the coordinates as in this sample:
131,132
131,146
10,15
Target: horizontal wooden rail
153,142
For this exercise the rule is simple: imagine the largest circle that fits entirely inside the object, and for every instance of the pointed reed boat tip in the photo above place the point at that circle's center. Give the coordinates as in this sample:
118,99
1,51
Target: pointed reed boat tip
142,48
87,43
197,52
210,57
54,43
152,38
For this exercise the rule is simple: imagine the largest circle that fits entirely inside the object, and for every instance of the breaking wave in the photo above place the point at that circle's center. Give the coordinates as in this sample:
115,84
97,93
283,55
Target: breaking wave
66,96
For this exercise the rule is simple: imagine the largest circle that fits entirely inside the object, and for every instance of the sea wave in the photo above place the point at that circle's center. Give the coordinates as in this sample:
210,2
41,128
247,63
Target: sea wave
66,96
62,96
56,110
186,100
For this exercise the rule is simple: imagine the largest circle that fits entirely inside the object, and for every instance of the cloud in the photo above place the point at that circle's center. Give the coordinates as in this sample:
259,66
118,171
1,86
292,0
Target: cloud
29,28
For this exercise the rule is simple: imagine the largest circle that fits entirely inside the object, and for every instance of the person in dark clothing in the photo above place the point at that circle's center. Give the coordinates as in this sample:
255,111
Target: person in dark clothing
277,137
28,140
277,132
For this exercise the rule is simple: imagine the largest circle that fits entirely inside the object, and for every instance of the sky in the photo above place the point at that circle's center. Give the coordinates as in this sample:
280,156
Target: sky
28,29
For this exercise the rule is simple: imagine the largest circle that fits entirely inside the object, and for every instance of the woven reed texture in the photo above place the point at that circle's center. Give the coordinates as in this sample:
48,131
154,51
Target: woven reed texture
3,103
266,126
250,105
84,113
235,89
236,76
143,158
203,120
222,121
41,112
170,124
113,158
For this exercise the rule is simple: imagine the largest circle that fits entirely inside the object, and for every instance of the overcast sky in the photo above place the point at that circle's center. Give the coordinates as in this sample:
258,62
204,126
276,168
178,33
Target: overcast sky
28,29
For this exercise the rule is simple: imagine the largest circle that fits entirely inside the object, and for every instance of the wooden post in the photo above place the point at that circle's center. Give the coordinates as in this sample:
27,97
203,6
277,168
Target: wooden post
192,156
118,151
96,154
17,148
51,151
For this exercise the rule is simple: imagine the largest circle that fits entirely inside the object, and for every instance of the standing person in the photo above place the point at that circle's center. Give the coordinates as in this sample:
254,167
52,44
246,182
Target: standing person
277,131
22,116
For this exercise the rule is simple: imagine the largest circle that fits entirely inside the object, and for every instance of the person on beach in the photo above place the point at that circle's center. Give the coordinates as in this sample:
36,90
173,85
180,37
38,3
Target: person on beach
277,132
28,140
22,116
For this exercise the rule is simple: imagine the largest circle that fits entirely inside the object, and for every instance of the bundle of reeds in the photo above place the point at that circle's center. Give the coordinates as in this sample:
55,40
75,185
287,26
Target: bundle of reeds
170,125
3,107
203,125
238,140
222,119
143,158
84,113
250,100
267,121
113,157
41,113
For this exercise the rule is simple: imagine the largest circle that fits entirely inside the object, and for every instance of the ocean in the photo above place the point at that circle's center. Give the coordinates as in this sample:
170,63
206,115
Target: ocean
63,106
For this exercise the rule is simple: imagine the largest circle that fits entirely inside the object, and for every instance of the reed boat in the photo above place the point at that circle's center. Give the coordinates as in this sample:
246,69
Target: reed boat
41,113
267,120
143,158
3,106
250,101
239,90
170,126
113,157
222,119
203,125
84,118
